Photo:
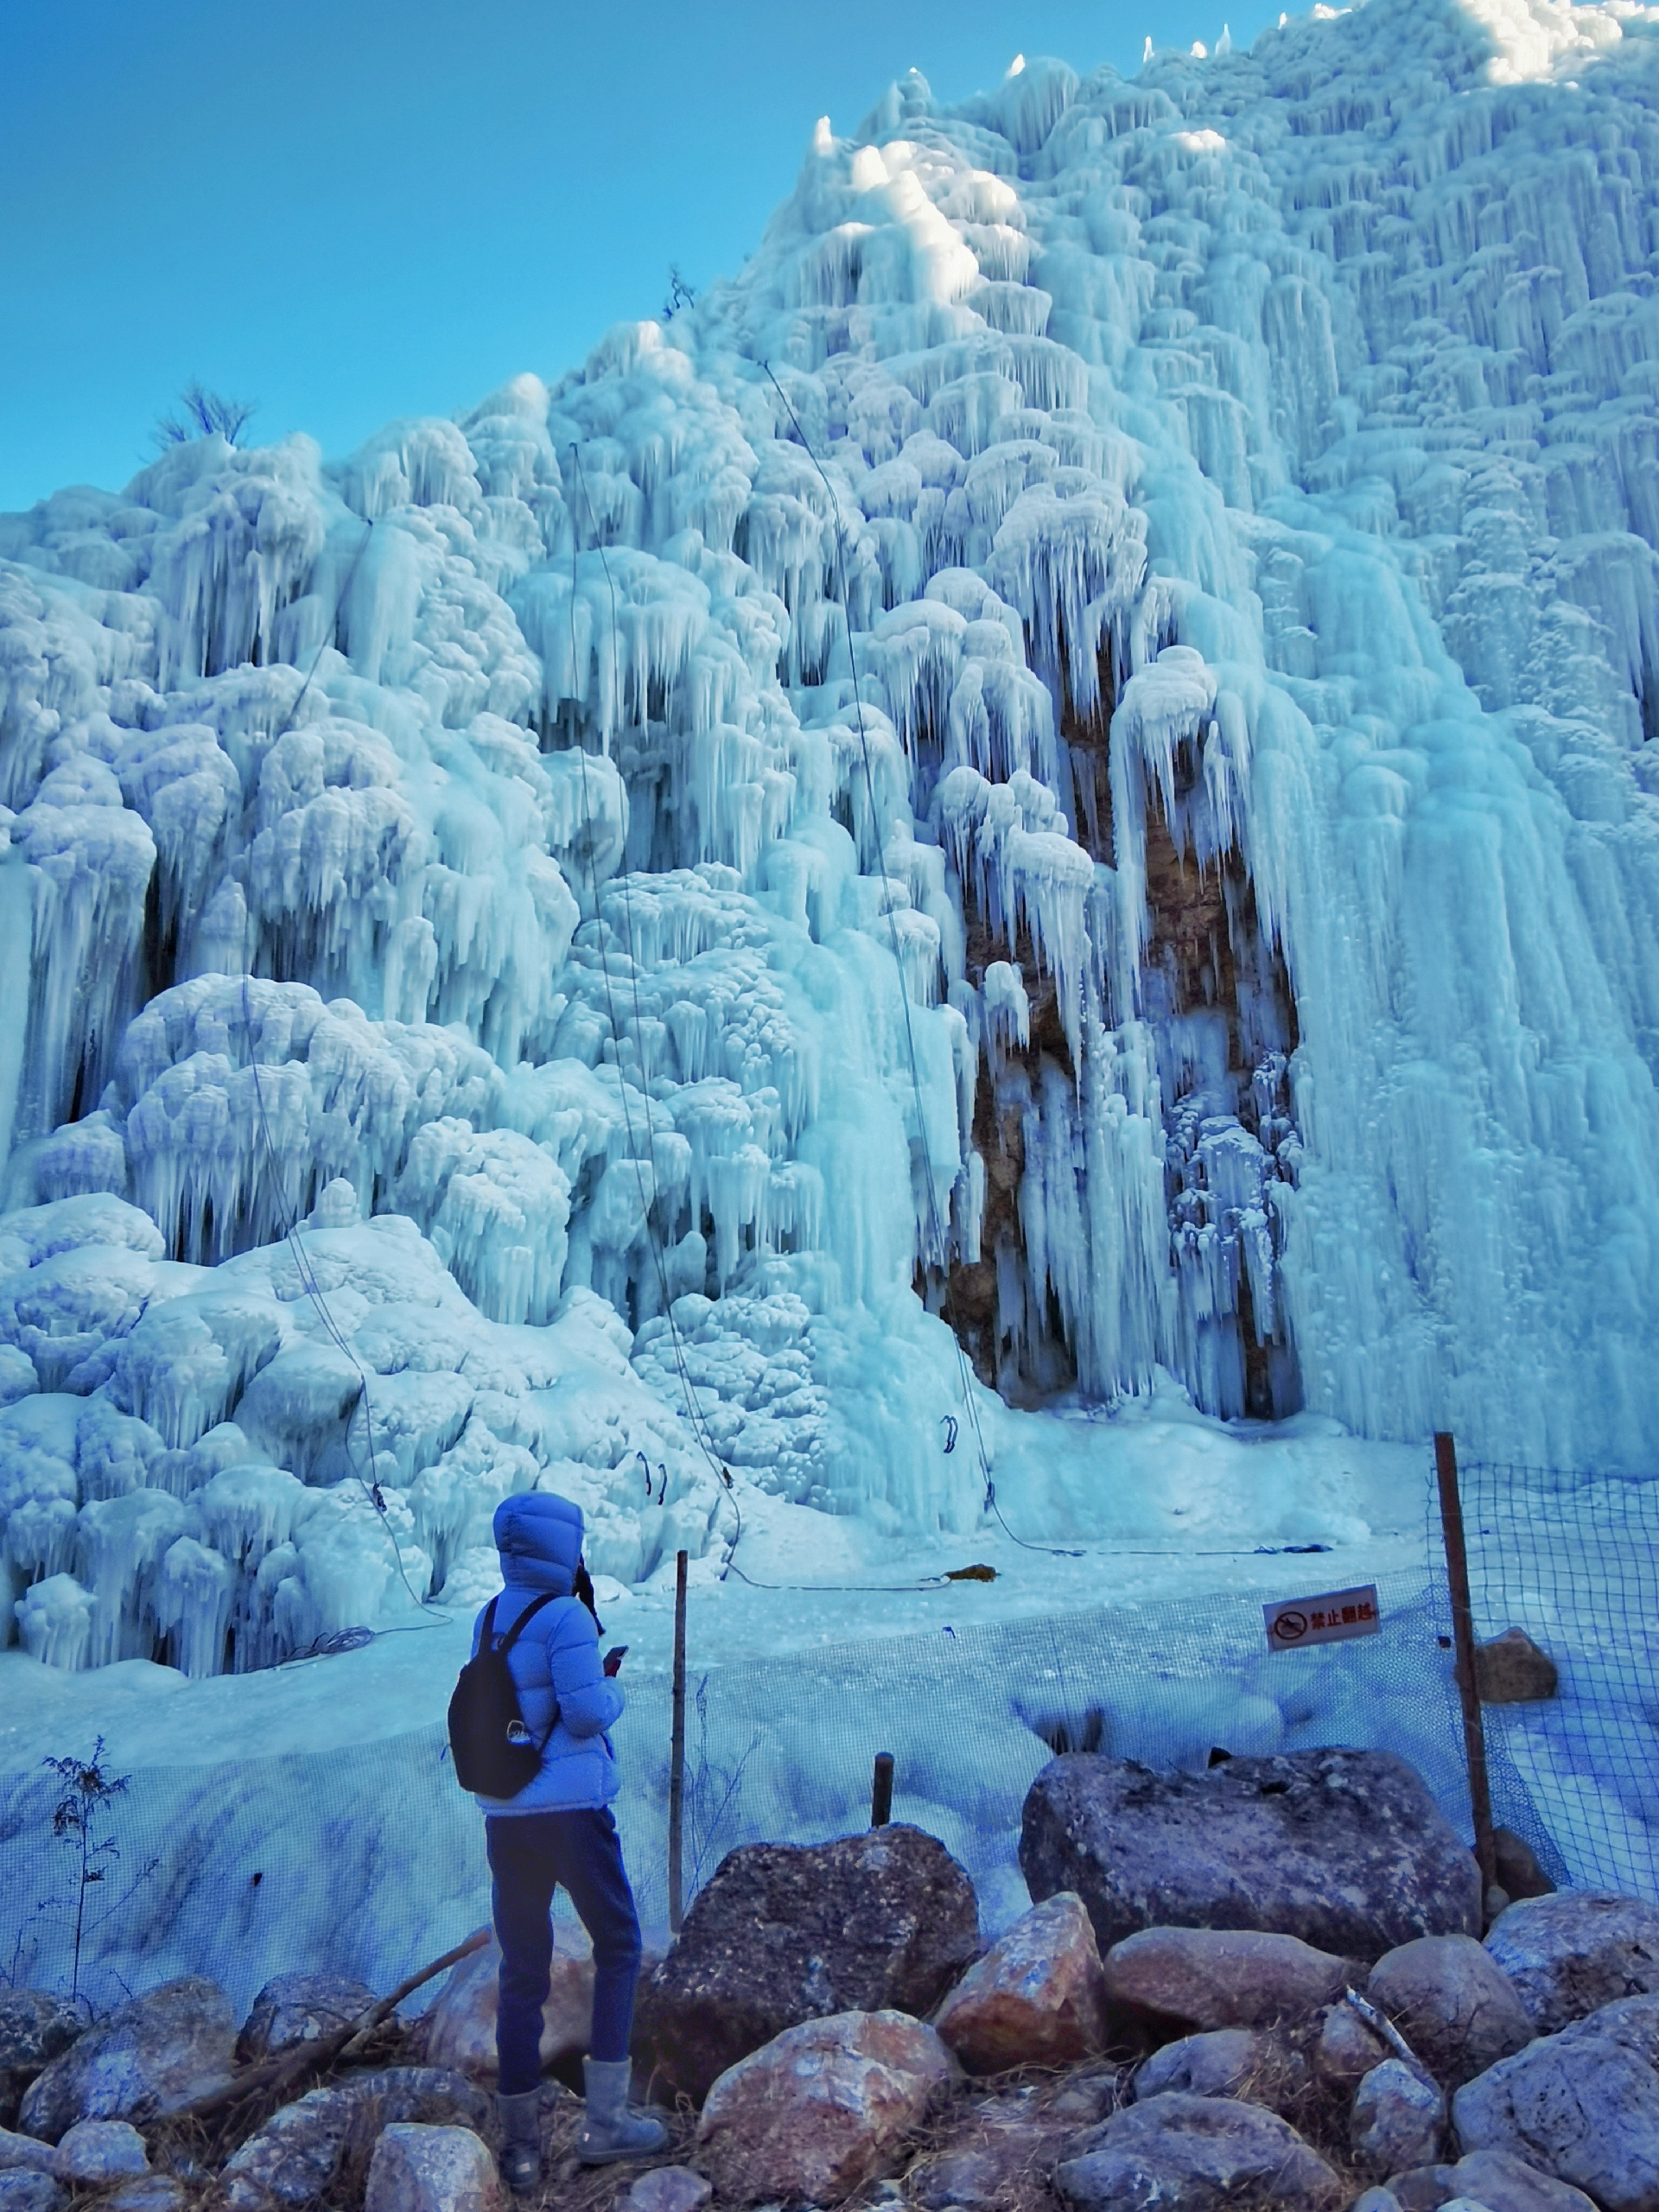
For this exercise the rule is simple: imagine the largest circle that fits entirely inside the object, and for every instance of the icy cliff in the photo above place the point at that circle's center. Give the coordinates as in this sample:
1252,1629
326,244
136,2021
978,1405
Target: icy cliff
1073,759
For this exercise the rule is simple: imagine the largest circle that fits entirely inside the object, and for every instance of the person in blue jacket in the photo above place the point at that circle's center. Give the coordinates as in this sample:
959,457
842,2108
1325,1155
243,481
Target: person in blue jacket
559,1831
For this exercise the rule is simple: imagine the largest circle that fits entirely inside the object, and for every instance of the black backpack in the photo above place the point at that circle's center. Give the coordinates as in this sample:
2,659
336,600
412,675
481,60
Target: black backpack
494,1753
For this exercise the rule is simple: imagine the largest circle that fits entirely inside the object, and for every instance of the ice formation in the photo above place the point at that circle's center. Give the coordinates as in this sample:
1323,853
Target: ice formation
1072,758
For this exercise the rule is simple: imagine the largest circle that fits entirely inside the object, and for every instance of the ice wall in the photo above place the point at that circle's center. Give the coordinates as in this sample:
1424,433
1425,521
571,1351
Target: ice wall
1081,741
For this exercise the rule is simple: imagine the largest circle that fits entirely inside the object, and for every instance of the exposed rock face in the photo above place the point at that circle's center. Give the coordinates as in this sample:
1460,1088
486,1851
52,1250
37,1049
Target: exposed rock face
821,2109
297,2008
1196,2154
1582,2105
1399,2119
786,1933
1345,1849
1038,1998
151,2056
301,2151
34,2026
424,2169
1174,1980
1453,2004
1260,2068
1570,1953
460,2027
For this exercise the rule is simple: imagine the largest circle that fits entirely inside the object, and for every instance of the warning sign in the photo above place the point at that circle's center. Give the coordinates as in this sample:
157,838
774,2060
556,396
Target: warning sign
1328,1619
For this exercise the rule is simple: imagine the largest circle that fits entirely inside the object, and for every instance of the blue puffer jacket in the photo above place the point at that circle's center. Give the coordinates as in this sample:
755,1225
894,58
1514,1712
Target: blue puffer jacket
555,1663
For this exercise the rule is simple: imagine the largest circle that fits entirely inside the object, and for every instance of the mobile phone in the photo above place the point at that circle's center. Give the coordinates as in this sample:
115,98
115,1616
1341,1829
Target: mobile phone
614,1658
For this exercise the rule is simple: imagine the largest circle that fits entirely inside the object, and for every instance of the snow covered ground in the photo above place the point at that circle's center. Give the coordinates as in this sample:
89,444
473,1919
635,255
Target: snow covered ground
1060,781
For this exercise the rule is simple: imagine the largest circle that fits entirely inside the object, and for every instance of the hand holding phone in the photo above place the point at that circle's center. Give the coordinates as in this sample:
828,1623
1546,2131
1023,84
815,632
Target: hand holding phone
614,1658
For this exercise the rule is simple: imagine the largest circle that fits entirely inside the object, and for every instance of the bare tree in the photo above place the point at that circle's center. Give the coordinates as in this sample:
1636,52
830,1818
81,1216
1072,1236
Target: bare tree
204,413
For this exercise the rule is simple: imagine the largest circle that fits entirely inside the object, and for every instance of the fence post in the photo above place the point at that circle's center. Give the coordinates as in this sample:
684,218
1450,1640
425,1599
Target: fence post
677,1753
881,1790
1463,1632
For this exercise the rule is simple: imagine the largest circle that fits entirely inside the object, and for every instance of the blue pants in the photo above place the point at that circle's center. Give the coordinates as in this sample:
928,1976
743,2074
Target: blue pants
531,1855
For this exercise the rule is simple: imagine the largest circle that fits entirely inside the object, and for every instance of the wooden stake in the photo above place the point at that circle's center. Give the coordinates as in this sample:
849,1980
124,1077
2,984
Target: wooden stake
1463,1632
677,1754
881,1790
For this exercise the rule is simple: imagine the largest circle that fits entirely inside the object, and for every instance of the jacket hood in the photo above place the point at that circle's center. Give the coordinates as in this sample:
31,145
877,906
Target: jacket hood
539,1538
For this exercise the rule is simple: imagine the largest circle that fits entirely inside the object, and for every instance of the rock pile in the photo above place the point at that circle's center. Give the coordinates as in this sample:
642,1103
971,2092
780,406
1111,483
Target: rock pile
836,2033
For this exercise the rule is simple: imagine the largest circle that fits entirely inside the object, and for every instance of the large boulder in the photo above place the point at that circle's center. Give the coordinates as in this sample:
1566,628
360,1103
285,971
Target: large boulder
821,2109
425,2168
1345,1849
1258,2066
1398,2118
34,2027
1453,2004
1196,2154
297,2008
1176,1980
1582,2105
459,2029
1570,1953
786,1933
152,2056
323,2139
1037,1997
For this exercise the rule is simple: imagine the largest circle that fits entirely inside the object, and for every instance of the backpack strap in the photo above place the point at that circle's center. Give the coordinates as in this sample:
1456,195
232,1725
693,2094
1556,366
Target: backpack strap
513,1633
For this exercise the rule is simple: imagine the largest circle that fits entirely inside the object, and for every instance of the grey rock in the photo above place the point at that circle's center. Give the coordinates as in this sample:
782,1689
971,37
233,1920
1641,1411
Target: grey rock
25,2191
1453,2004
1180,1979
1262,2068
302,2151
1196,2154
297,2008
1399,2119
1345,1849
1506,2183
1570,1953
786,1933
34,2026
1518,1871
1087,2098
152,2056
94,2152
146,2193
1376,2200
979,2175
26,2151
1423,2189
1581,2104
424,2169
668,2189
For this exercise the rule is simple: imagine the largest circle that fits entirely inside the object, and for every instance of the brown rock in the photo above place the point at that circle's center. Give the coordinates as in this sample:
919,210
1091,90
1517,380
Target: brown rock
1346,2050
420,2169
1196,2154
1512,1671
994,2169
1257,2065
786,1933
458,2027
1037,1997
1570,1953
1179,1980
1453,2004
1346,1849
822,2108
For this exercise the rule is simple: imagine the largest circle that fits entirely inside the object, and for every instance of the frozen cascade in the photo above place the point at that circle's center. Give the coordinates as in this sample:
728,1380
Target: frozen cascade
1141,847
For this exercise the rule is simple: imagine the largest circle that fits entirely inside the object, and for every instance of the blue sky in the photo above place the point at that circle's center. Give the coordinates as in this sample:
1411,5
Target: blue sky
351,210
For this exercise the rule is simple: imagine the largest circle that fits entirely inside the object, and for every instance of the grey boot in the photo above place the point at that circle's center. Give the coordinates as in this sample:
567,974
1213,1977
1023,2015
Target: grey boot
521,2139
609,2130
